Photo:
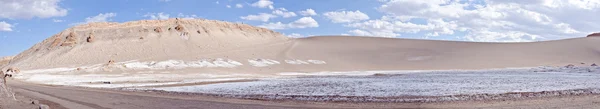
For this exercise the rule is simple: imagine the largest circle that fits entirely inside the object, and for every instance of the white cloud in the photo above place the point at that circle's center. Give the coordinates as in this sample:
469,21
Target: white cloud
5,26
386,27
217,2
346,16
296,35
192,16
228,6
163,16
57,20
263,4
260,17
308,12
284,13
157,16
274,26
27,9
489,20
490,36
102,17
239,5
360,32
304,22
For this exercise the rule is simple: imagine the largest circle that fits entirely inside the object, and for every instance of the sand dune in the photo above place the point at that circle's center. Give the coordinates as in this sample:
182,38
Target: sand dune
166,58
367,53
184,39
192,50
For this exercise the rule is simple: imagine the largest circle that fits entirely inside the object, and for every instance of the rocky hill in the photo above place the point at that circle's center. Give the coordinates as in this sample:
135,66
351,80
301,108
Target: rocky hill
142,40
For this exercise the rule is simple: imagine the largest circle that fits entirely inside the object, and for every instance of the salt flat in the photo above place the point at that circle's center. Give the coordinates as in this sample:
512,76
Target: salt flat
423,84
152,73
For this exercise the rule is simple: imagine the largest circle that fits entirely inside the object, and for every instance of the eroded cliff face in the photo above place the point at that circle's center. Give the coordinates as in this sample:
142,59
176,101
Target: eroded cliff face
146,39
5,60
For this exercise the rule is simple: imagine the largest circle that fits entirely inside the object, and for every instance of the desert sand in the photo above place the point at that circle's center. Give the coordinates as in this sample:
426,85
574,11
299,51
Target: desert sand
209,39
181,52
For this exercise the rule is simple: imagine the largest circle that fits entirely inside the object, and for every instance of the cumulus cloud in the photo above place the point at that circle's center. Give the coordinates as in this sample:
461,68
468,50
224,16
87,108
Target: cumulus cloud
239,5
308,12
296,35
489,20
304,22
27,9
284,13
164,16
360,32
228,6
157,16
386,27
263,4
5,26
274,26
184,16
377,28
346,16
484,35
260,17
102,17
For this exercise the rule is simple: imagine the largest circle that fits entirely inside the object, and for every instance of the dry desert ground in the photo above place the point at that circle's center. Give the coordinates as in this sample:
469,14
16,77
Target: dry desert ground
198,63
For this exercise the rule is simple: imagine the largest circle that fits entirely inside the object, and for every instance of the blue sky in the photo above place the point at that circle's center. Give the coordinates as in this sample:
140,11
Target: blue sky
24,23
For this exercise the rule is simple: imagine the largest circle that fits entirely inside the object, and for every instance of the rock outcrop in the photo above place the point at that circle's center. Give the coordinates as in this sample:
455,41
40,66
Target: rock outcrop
179,28
13,70
90,38
158,29
55,42
5,60
70,40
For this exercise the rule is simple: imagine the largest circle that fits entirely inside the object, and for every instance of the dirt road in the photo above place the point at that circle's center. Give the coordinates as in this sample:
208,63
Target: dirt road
80,98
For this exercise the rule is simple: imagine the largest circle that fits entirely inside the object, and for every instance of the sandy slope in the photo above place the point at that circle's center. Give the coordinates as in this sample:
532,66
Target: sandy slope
348,53
188,51
367,53
341,53
183,39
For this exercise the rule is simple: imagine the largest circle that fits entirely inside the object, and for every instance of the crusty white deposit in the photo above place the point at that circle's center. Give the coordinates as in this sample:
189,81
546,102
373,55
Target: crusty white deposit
406,84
